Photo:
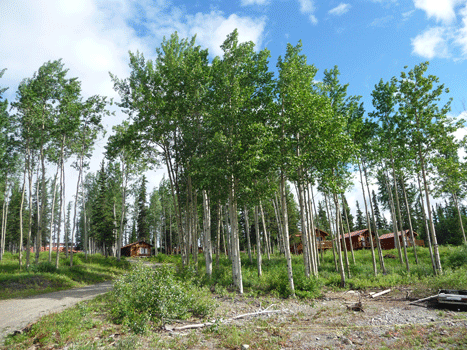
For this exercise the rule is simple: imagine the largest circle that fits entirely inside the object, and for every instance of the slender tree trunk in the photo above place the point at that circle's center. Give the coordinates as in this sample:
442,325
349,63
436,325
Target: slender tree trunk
177,207
38,221
207,234
305,245
279,222
236,262
428,205
378,242
335,239
312,232
285,231
247,232
394,219
62,200
52,216
266,239
342,241
80,171
412,237
122,215
372,246
23,192
404,243
348,228
219,223
338,234
456,202
427,229
258,242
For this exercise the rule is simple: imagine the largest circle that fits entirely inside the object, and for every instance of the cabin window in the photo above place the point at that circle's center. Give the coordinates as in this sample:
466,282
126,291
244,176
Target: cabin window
143,250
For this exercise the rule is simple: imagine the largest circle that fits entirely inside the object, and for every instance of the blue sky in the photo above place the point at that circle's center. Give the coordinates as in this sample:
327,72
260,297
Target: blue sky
367,39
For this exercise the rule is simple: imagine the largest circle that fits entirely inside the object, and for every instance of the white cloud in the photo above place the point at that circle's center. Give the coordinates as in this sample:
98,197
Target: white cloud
340,9
382,21
307,6
431,43
313,19
213,28
441,10
407,15
90,43
461,37
253,2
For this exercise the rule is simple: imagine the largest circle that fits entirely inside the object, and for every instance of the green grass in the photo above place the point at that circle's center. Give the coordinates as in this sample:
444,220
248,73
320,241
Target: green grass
95,325
274,274
43,277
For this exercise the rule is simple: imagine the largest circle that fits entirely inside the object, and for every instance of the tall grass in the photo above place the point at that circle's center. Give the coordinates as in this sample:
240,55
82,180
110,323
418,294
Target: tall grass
274,279
44,277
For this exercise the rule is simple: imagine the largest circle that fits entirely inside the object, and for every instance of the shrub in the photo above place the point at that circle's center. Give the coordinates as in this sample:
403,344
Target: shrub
458,258
147,294
43,267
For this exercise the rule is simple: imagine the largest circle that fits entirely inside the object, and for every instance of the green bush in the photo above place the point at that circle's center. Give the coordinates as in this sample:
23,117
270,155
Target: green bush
156,295
43,267
458,258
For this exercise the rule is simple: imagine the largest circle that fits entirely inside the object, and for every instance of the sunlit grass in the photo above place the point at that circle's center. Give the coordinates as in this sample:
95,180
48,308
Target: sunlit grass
43,277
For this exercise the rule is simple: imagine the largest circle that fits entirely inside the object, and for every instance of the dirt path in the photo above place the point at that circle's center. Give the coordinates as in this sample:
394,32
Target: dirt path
15,314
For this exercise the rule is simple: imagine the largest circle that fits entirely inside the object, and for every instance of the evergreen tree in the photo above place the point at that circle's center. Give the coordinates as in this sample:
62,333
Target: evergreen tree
381,222
360,220
349,216
142,217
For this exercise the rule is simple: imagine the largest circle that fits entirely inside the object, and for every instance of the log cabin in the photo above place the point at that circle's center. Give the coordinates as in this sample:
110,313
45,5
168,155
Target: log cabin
140,248
387,240
296,246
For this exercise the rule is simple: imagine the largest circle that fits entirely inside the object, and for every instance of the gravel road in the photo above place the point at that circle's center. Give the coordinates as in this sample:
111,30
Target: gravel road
15,314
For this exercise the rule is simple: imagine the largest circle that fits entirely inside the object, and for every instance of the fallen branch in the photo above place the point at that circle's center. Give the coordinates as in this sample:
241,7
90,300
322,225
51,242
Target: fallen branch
207,324
380,293
424,299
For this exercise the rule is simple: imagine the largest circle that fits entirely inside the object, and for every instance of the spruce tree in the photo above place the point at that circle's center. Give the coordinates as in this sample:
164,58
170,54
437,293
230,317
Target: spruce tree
142,230
360,221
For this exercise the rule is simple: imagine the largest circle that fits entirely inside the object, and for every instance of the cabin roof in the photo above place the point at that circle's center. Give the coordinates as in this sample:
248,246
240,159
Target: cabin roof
391,235
135,243
355,233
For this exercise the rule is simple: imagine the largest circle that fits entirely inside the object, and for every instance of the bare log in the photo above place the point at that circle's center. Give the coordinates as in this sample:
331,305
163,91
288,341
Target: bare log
381,293
424,299
207,324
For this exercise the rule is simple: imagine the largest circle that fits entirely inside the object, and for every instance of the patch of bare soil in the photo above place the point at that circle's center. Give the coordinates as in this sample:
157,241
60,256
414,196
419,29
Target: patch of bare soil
338,320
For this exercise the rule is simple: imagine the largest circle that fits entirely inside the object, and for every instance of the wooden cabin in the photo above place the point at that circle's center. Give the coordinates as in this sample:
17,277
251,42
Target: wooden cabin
360,239
140,248
296,246
388,242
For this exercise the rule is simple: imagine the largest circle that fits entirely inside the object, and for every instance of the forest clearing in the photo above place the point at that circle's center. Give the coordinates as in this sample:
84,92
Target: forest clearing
147,305
253,217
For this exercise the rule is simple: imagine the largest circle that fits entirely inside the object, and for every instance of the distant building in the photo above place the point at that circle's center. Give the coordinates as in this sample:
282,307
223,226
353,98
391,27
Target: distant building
140,248
388,242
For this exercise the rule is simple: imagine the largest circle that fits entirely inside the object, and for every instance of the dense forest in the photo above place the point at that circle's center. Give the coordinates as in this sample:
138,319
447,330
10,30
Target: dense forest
255,161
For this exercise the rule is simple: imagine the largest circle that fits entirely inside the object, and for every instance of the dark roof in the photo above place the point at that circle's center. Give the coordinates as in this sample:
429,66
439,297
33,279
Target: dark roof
391,235
355,233
135,243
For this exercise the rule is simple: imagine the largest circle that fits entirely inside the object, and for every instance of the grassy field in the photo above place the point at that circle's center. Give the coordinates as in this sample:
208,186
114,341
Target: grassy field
274,278
99,324
44,278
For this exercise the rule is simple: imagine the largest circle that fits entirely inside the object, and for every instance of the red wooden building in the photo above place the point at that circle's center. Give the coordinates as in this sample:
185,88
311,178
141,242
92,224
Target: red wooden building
140,248
296,246
388,242
360,239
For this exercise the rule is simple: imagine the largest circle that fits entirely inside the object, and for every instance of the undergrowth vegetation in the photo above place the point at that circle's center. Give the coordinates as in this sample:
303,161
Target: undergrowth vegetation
274,274
44,277
157,295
